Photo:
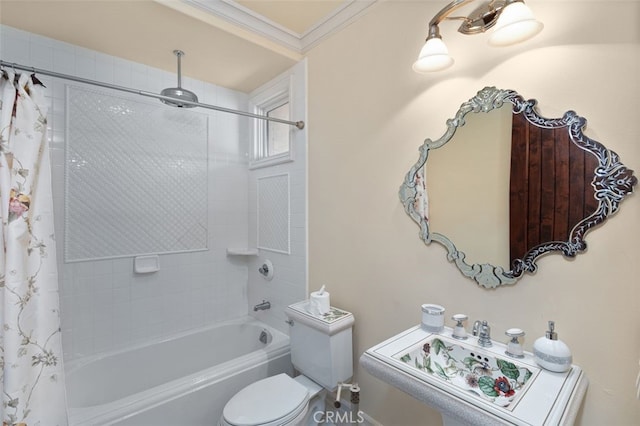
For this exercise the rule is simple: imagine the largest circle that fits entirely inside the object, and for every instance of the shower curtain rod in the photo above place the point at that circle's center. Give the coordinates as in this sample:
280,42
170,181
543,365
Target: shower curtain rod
297,124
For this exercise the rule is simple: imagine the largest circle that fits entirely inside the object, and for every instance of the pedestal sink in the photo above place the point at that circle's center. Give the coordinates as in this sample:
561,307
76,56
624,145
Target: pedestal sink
473,385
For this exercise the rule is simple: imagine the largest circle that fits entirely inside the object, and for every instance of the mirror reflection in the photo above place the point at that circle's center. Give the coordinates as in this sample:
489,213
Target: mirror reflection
461,206
508,185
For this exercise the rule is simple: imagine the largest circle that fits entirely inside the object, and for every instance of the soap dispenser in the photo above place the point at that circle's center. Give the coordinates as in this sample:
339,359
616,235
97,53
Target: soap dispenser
550,353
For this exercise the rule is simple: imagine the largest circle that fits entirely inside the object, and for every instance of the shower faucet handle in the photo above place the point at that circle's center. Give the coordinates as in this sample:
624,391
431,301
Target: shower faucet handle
264,269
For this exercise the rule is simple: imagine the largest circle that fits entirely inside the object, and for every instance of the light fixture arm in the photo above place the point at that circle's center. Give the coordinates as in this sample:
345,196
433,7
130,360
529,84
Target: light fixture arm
492,5
446,11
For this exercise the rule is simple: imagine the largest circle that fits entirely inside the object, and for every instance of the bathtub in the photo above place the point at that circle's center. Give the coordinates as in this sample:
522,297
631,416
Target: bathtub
183,380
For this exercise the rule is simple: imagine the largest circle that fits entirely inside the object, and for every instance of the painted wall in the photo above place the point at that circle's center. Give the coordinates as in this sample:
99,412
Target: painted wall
104,304
369,113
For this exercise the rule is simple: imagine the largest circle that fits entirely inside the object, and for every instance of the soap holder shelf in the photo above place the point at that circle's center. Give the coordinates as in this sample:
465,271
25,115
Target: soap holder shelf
242,251
146,264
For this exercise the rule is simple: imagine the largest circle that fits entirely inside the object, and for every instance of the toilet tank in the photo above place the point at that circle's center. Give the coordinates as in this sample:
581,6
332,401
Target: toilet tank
321,345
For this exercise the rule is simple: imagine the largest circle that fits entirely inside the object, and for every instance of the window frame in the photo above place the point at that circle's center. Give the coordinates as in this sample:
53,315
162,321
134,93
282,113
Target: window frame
266,100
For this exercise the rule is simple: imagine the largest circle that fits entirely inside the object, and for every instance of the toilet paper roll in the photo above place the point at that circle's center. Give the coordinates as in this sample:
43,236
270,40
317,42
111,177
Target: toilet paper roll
319,303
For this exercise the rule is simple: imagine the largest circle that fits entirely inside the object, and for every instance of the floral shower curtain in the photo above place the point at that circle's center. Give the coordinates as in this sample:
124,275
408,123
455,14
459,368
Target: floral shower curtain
32,379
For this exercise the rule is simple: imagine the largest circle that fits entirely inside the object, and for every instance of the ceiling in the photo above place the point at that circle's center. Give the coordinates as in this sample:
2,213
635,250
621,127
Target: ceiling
235,44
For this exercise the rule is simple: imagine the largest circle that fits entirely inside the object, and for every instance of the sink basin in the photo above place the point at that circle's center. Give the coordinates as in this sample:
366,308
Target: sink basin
493,379
473,385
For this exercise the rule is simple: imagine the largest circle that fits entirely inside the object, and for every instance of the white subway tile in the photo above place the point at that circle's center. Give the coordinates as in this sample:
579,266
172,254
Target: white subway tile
86,67
15,45
104,68
41,56
106,306
64,60
122,74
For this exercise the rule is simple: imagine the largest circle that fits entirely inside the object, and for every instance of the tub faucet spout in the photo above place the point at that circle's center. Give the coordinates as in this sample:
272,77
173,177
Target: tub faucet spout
262,306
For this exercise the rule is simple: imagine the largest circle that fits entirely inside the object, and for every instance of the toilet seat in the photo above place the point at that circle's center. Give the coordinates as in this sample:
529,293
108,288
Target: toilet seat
276,400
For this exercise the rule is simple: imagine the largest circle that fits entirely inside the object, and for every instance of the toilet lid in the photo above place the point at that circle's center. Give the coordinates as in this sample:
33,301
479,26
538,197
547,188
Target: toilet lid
266,401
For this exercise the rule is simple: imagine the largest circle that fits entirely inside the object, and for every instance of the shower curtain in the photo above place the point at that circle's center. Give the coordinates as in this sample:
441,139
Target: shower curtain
32,377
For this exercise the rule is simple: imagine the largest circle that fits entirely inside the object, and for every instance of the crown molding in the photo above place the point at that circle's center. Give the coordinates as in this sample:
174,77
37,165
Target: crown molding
250,21
335,21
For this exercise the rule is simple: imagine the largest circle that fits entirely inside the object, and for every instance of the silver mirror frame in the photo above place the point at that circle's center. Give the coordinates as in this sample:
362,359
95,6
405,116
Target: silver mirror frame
612,182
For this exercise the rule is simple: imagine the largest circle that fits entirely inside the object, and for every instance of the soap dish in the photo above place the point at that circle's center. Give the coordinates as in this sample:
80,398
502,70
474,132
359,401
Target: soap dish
146,264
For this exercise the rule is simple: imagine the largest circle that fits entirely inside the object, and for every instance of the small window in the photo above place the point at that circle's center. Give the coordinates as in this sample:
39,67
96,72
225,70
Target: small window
272,140
278,133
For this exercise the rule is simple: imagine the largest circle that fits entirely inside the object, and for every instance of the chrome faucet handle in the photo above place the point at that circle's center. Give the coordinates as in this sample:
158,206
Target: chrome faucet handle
459,332
458,318
514,333
514,349
266,269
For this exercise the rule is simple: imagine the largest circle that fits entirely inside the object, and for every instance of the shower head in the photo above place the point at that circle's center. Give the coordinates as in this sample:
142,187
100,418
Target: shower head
179,93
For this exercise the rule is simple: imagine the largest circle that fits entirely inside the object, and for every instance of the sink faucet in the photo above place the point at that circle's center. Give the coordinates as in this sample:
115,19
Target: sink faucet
263,306
483,331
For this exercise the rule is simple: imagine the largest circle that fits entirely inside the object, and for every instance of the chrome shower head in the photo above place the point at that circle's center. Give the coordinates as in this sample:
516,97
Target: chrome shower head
179,93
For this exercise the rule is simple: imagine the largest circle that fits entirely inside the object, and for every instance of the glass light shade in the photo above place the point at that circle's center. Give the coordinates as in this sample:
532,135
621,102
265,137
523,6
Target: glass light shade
516,23
434,56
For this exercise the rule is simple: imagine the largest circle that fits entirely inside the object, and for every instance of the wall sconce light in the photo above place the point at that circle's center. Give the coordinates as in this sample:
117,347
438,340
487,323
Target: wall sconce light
512,20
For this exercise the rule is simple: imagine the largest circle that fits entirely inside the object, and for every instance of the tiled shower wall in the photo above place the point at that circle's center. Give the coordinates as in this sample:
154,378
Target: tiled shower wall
289,283
104,305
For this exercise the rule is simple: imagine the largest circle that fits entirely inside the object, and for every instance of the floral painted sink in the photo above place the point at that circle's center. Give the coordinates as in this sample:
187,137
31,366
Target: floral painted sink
496,380
472,385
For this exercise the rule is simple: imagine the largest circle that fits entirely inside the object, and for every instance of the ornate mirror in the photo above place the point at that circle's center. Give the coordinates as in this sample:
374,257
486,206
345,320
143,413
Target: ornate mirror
519,184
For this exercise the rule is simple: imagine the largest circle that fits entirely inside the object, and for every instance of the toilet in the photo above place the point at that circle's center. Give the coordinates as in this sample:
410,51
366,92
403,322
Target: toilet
321,351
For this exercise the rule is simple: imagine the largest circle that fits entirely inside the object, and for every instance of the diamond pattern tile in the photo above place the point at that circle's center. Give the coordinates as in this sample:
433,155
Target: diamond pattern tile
273,213
135,177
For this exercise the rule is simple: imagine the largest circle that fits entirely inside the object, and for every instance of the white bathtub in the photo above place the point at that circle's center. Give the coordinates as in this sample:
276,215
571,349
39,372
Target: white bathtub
185,380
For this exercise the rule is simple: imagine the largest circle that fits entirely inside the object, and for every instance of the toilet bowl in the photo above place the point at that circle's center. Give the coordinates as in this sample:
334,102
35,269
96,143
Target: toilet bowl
277,400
